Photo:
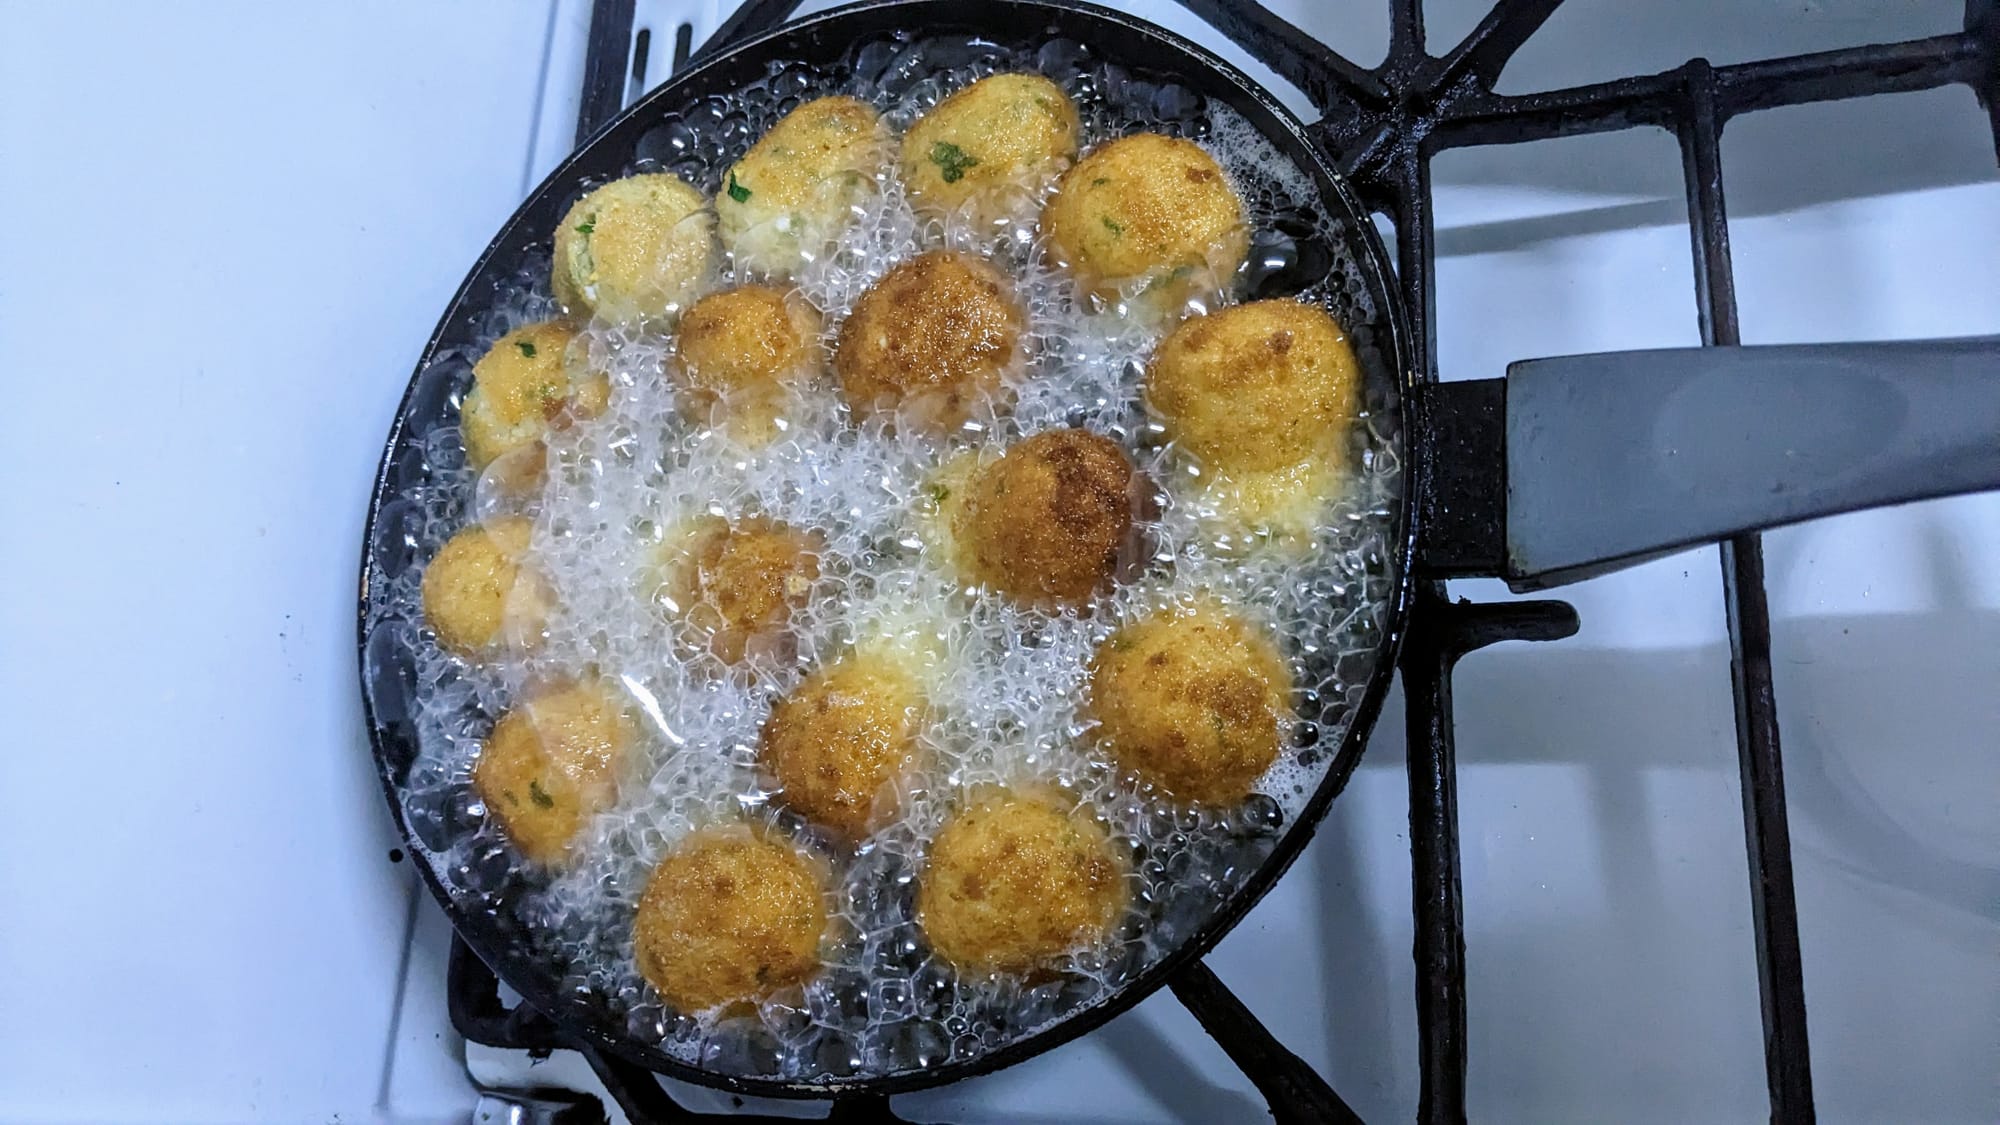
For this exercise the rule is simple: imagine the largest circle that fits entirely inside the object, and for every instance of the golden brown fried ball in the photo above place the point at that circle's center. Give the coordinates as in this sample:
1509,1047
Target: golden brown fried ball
551,763
1256,387
1148,208
1052,519
523,386
479,591
736,585
930,340
842,738
797,188
1008,133
1195,701
1013,882
729,917
633,249
744,354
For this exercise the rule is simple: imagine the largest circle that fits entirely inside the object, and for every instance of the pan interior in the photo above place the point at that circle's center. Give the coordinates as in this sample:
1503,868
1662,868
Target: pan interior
1008,678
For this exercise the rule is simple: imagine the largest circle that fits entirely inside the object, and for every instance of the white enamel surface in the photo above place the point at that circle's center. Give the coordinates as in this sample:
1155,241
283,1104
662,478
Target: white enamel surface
205,349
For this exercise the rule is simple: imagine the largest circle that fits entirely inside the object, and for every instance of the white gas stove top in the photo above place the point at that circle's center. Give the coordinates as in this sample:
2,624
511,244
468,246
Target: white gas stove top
235,225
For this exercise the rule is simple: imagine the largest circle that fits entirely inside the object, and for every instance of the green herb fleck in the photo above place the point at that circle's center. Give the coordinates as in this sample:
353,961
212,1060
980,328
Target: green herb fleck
509,794
951,160
588,225
541,799
527,349
938,493
737,191
1116,228
1100,181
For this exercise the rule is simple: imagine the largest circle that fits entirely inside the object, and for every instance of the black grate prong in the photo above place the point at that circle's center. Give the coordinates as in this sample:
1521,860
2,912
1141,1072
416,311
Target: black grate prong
607,53
1982,26
1767,832
752,17
1484,52
1406,33
1438,943
1441,633
1296,1094
472,1001
1327,78
1475,625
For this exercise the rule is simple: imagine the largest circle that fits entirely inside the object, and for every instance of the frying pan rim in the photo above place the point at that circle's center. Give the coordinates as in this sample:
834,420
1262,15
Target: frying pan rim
585,1032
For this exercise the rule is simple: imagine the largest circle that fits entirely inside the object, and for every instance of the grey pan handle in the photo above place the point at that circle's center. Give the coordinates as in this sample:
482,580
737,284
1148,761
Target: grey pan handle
1575,466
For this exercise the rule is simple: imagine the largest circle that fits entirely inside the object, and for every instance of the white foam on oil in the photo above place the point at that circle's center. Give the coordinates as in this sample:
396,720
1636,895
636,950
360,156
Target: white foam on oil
1003,680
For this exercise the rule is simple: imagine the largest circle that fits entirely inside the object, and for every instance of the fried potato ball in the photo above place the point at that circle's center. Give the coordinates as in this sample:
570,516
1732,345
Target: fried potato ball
1148,208
930,340
633,249
997,141
737,584
1256,387
479,591
551,763
837,744
1052,519
743,355
1013,881
797,188
1195,701
522,387
729,917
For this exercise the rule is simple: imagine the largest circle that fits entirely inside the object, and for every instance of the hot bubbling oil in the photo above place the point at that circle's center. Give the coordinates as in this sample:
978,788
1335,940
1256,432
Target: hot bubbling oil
1004,679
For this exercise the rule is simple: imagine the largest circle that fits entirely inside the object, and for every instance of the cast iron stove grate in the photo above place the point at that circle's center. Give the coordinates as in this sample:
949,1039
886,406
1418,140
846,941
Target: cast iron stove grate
1382,126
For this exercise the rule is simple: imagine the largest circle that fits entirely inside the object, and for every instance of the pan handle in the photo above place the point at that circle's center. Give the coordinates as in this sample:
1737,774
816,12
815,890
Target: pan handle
1572,467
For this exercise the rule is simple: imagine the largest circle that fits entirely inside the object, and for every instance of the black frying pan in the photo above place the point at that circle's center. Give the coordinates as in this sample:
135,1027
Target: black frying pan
1567,468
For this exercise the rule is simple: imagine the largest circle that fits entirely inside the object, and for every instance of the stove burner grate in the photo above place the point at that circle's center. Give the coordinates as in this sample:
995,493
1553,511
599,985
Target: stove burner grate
1382,126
